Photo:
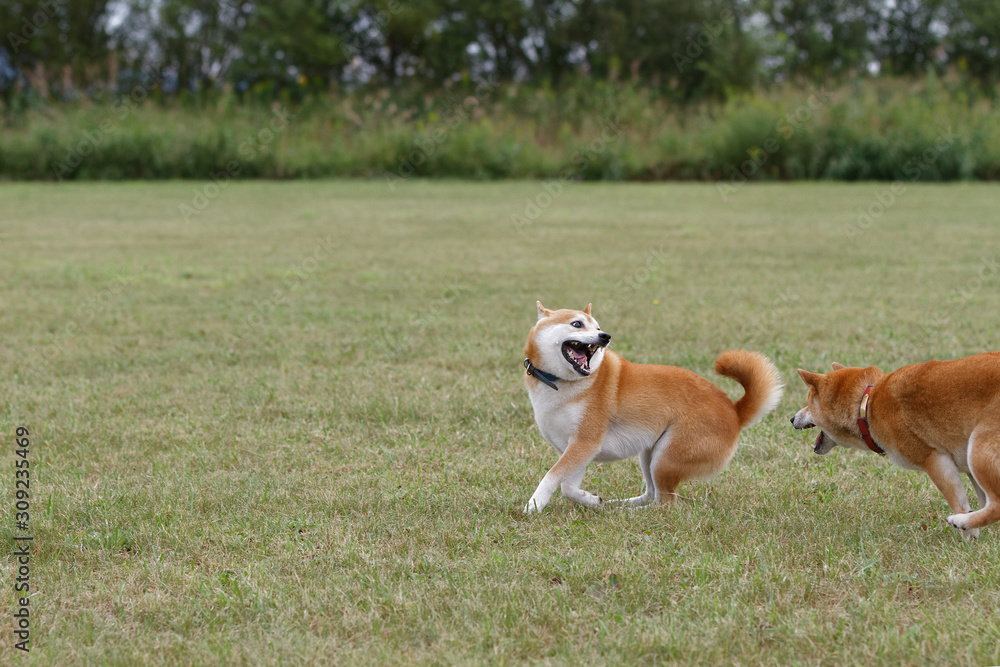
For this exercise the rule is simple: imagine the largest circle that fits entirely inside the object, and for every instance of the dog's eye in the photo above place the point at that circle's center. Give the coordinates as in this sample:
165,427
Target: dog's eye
578,324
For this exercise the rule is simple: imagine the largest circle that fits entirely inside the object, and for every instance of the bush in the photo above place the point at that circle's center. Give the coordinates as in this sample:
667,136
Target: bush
871,130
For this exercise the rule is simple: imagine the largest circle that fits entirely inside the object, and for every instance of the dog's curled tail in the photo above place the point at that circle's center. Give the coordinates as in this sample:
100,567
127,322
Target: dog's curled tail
760,380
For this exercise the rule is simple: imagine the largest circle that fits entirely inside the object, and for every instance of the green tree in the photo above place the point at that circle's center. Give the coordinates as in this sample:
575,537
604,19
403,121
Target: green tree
815,39
909,35
58,46
303,43
694,48
974,38
197,39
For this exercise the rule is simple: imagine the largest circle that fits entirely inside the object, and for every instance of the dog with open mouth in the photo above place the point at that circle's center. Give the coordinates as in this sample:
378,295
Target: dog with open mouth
591,404
942,417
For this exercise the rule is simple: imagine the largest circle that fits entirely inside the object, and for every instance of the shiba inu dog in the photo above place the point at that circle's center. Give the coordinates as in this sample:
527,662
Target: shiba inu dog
942,417
593,405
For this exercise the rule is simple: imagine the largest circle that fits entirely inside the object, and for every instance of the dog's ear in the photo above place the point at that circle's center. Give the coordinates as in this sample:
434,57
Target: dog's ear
587,309
542,310
837,366
811,379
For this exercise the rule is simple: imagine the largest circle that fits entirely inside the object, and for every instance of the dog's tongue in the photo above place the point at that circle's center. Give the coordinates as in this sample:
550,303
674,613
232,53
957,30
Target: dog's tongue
580,357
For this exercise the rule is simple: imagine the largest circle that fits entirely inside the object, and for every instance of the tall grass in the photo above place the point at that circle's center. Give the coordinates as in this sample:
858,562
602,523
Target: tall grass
930,130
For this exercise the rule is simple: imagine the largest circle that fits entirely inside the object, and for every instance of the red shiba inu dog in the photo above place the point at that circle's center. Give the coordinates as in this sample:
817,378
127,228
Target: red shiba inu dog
593,405
942,417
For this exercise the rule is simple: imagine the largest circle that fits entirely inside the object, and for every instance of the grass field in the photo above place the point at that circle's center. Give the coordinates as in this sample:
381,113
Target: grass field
293,429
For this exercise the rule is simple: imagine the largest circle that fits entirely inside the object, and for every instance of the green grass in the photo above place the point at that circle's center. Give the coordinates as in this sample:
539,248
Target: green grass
338,478
930,130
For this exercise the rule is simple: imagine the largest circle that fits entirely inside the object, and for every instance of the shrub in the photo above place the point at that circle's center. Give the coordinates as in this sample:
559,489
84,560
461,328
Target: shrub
873,130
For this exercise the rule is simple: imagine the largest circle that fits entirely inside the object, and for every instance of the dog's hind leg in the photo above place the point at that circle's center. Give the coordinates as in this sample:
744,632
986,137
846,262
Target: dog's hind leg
690,453
645,464
667,470
571,489
942,470
980,494
985,465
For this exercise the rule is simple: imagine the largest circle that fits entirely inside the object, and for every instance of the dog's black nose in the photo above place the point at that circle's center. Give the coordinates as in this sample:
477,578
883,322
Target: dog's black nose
792,419
605,338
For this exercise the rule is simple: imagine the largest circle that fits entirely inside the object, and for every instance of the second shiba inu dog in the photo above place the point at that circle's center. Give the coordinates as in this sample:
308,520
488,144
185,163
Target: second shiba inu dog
942,417
593,405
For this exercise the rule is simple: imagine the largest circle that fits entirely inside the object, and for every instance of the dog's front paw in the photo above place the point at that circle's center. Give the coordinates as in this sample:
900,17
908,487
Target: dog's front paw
534,507
960,522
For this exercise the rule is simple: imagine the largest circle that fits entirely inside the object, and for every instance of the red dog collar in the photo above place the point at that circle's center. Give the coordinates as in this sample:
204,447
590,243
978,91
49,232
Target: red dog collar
863,423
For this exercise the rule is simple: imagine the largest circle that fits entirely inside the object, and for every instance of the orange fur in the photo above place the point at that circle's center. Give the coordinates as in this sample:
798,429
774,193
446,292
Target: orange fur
685,425
942,417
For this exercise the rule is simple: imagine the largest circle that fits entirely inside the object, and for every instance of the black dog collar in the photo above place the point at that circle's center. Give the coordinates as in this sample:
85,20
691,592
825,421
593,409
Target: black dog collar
547,378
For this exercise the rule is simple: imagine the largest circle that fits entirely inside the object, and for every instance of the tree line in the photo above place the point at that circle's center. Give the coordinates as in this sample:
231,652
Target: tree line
688,49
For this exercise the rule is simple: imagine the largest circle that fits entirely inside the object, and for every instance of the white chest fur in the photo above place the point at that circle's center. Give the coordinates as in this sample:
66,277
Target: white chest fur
559,416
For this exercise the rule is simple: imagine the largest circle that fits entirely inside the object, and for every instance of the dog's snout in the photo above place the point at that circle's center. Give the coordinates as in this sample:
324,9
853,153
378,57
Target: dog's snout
604,337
